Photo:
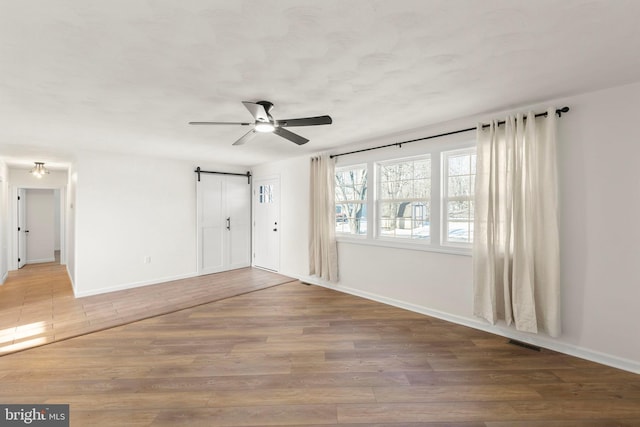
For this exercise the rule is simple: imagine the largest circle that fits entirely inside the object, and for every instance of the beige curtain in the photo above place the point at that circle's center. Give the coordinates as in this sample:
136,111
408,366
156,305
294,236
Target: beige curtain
516,246
323,252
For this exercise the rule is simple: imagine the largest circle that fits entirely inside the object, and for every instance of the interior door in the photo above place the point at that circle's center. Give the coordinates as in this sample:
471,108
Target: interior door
238,211
211,224
224,218
40,214
22,231
266,202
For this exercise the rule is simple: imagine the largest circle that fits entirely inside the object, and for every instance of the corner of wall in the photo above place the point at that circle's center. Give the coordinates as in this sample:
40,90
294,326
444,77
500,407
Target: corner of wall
4,223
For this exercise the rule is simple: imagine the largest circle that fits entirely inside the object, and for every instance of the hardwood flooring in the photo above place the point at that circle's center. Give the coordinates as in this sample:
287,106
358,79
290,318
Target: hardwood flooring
302,355
37,305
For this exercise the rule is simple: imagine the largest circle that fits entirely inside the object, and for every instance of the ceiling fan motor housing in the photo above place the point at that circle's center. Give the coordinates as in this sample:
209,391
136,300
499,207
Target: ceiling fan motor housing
268,106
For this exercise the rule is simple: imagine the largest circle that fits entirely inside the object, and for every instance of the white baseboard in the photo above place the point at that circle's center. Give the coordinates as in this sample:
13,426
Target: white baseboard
537,340
4,277
80,294
73,285
40,261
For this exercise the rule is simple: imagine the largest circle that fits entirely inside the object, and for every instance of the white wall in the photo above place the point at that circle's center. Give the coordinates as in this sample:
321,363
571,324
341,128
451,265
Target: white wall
128,208
21,178
600,236
70,224
40,221
4,222
56,223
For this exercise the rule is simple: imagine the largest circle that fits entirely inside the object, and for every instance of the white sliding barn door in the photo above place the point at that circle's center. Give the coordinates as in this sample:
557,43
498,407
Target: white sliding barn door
211,238
239,222
224,232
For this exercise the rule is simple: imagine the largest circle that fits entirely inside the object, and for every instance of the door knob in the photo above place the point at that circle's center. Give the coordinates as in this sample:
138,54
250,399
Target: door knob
276,226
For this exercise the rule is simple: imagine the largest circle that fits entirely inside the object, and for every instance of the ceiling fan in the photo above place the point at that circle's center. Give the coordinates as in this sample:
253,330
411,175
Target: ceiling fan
264,123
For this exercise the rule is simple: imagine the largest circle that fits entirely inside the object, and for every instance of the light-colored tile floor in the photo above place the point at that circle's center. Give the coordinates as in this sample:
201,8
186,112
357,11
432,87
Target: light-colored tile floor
37,304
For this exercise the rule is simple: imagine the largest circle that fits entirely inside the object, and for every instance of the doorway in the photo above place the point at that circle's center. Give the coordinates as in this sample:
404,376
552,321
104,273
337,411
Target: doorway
37,226
39,220
266,208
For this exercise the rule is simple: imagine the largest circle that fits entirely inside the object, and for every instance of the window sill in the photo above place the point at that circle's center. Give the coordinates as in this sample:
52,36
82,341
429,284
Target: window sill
425,247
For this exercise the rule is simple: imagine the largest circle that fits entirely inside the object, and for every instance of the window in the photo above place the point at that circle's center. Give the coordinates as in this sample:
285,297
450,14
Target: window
459,171
265,194
423,202
404,191
351,200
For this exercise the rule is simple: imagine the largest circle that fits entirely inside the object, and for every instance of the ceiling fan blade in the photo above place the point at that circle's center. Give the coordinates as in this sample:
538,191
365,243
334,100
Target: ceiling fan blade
246,137
221,123
257,111
290,136
306,121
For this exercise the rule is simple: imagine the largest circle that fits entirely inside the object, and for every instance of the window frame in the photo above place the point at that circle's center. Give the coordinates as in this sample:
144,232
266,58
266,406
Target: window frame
378,201
364,201
445,198
436,151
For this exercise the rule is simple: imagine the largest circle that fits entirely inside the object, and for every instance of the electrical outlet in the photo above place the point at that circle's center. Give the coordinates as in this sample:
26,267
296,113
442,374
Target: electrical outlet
147,260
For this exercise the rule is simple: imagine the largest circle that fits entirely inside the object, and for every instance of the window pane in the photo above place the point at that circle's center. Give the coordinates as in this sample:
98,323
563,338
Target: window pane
459,165
422,189
351,184
351,218
460,186
404,220
460,232
459,210
422,169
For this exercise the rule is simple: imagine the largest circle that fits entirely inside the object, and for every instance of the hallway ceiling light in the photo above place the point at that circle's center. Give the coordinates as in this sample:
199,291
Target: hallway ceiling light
39,170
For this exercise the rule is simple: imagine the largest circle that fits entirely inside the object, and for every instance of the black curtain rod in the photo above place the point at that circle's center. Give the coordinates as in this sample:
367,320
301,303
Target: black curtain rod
559,112
247,175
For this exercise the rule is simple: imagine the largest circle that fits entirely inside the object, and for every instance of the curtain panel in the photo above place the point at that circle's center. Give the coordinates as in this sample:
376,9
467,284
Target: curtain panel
516,256
323,252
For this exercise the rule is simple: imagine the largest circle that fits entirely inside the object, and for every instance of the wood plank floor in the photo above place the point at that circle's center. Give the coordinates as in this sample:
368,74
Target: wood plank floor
302,355
37,305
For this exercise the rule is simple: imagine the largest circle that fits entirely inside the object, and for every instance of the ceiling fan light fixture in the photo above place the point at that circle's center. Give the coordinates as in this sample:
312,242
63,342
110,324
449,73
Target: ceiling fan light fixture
264,127
39,170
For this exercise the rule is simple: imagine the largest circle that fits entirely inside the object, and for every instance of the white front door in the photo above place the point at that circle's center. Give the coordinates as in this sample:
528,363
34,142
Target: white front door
266,205
22,231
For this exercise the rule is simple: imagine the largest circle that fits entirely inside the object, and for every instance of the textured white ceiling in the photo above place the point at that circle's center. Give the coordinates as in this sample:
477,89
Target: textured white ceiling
127,75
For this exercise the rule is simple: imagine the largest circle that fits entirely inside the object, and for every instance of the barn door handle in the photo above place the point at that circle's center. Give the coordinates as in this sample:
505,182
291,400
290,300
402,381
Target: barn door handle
229,223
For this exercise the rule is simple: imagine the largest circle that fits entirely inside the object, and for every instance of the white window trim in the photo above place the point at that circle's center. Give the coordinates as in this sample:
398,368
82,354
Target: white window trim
444,197
341,235
377,201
